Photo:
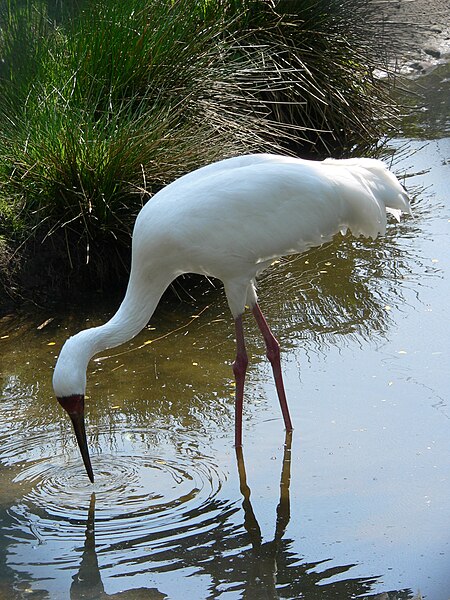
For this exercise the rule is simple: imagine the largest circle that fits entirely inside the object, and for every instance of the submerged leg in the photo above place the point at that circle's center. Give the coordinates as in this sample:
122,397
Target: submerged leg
239,370
273,354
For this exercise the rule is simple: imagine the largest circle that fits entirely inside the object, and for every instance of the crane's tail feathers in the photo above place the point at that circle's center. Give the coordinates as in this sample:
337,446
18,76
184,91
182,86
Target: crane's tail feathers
383,184
371,191
395,212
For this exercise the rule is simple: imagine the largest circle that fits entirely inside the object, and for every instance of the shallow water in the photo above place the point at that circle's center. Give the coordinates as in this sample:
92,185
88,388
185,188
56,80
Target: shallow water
356,503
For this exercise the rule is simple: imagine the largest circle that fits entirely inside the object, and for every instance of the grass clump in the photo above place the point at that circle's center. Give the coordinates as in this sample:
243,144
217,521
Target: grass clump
104,102
319,58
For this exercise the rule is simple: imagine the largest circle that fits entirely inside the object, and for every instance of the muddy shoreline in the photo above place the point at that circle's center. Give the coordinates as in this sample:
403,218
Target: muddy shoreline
421,30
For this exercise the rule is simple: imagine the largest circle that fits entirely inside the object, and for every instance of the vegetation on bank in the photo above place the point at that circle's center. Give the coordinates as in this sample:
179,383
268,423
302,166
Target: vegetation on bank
104,101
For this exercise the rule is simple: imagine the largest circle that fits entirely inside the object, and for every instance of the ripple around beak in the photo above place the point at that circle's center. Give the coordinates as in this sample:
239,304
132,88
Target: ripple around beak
138,490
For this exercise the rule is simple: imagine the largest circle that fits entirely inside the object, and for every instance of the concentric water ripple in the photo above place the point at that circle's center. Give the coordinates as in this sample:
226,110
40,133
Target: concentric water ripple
137,490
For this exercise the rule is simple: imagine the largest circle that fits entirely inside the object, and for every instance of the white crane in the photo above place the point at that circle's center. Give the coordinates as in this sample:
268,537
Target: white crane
230,220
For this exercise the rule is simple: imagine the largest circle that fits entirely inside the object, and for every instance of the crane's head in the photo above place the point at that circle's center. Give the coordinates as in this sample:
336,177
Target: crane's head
74,405
69,384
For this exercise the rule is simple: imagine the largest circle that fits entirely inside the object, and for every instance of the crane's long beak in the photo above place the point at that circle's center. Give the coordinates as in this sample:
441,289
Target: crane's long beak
74,406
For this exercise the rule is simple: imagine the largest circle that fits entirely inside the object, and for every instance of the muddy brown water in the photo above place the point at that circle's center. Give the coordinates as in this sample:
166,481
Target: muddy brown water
355,503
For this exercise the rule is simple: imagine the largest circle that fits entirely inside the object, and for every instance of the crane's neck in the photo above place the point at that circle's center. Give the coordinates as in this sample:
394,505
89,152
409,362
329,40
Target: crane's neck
142,296
139,304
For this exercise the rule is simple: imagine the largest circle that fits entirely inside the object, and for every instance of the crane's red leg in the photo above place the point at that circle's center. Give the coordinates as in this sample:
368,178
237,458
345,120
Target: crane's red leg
239,370
273,354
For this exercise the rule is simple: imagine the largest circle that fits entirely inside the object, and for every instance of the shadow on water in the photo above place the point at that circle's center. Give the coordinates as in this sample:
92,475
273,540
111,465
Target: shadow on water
355,504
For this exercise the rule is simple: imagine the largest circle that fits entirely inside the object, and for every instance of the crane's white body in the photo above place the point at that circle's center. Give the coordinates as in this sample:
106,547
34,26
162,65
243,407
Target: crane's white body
230,220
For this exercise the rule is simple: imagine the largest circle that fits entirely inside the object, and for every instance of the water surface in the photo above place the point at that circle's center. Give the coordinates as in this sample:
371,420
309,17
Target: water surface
355,503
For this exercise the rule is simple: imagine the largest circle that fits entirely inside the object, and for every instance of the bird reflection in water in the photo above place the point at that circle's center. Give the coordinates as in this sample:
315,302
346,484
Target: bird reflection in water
87,583
238,560
259,570
262,568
